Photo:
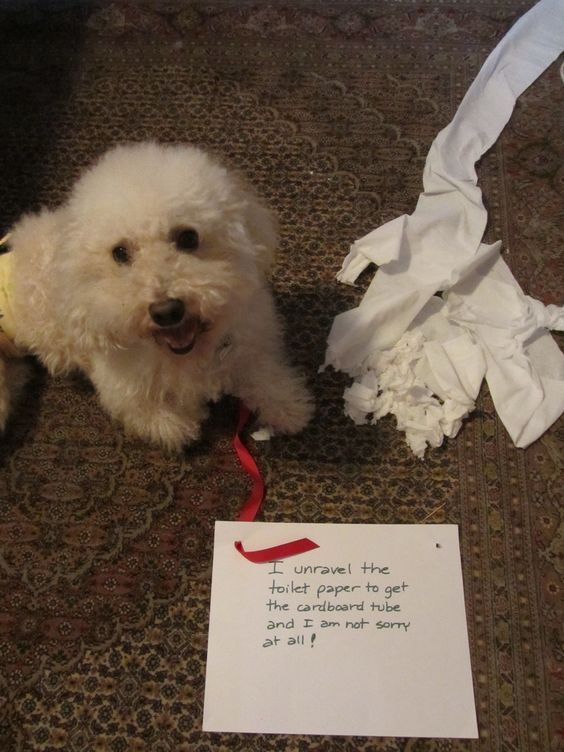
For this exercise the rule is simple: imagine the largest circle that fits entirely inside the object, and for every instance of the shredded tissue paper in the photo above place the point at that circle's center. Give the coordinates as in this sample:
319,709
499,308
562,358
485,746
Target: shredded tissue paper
443,311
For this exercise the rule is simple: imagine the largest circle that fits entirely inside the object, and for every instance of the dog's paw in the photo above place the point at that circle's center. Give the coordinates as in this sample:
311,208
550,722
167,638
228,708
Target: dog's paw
288,416
174,437
166,429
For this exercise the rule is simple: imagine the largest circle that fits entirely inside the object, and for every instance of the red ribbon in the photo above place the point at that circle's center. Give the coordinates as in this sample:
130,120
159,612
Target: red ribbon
252,505
263,555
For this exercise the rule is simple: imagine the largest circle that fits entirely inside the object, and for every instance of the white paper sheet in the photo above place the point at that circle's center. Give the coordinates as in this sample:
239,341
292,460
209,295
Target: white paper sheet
407,349
373,642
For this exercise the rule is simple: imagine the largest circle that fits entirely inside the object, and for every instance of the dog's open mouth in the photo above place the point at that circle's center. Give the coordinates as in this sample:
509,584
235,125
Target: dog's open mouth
181,339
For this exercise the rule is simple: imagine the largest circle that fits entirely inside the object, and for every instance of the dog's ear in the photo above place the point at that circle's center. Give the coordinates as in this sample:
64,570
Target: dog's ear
34,243
261,228
35,238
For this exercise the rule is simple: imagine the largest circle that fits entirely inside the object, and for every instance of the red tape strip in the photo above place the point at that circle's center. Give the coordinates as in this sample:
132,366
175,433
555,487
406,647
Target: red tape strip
252,505
263,555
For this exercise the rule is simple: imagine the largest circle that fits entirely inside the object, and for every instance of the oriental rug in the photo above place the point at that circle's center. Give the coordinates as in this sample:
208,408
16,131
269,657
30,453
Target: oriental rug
105,542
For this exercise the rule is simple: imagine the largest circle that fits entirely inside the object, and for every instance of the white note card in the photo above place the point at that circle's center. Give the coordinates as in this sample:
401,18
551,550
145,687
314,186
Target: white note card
366,635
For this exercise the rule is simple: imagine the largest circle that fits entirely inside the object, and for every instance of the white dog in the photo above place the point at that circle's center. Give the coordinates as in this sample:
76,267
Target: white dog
152,280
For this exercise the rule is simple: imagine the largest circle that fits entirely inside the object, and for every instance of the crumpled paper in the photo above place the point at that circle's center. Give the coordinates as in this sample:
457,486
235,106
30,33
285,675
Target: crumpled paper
422,356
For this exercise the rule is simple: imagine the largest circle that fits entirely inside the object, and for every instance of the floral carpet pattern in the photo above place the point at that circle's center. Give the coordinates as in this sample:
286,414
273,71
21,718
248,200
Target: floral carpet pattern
106,543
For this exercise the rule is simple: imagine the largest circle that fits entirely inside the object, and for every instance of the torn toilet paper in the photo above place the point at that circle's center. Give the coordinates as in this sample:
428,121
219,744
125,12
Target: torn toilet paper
422,356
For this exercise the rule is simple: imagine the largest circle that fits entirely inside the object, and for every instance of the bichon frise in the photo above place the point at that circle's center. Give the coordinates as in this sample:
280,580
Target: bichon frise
152,280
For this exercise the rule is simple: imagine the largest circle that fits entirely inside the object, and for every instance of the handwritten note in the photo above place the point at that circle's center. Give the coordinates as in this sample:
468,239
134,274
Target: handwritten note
365,635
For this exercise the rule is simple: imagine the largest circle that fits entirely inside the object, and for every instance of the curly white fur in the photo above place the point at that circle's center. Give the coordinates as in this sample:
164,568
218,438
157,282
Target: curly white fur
78,305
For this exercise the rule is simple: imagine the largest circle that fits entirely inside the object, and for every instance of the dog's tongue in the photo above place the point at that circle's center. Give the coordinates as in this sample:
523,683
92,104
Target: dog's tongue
181,339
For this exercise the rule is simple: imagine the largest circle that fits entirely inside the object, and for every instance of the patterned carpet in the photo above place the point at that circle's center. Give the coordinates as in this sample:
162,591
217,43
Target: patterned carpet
105,543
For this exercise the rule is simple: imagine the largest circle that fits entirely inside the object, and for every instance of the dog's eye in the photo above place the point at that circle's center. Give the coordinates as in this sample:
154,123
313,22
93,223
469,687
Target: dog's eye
186,239
121,254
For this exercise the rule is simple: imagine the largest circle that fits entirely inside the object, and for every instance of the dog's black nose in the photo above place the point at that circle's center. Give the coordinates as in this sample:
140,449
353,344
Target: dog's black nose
167,312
